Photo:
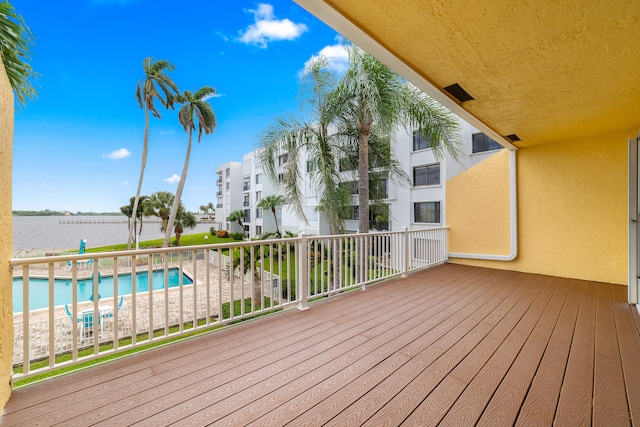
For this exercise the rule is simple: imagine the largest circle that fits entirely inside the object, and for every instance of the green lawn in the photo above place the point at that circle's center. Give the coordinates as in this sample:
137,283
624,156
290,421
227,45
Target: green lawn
185,240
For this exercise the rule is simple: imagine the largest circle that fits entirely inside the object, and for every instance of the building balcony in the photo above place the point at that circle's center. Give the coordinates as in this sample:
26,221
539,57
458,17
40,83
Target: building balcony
246,186
452,344
245,203
219,193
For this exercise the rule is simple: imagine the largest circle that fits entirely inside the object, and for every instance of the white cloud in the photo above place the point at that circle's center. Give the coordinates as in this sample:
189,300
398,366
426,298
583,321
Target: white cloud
117,154
166,132
174,179
267,28
337,56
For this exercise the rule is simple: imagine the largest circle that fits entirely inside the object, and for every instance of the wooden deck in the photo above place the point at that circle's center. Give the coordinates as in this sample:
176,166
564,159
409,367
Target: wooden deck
453,345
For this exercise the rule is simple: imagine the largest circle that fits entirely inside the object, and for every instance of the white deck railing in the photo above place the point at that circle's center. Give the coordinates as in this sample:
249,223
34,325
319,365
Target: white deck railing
269,275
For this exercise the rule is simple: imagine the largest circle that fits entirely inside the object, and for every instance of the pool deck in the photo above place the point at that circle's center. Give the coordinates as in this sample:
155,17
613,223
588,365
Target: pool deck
38,319
453,345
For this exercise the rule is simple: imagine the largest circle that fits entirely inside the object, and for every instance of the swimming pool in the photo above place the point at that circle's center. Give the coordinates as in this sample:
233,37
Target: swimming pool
62,288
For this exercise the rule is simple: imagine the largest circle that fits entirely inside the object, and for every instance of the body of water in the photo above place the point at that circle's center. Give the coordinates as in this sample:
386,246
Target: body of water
53,233
63,288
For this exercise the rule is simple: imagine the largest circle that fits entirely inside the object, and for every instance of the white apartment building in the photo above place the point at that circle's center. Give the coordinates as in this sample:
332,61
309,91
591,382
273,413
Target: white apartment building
229,193
417,204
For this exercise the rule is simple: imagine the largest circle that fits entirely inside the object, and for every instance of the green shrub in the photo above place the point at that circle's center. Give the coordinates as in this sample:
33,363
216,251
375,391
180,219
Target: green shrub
223,234
237,235
213,231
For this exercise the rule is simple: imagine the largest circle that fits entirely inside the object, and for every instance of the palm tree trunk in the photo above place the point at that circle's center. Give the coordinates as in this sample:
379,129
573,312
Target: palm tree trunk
275,218
145,149
176,200
363,184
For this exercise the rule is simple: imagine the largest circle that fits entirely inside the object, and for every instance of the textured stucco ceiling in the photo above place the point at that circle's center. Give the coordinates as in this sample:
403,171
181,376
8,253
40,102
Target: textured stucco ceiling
547,71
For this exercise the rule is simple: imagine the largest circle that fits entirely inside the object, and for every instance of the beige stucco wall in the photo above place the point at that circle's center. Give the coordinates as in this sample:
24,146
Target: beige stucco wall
572,209
6,236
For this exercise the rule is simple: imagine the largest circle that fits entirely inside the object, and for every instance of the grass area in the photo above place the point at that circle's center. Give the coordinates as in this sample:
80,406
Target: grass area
226,314
185,240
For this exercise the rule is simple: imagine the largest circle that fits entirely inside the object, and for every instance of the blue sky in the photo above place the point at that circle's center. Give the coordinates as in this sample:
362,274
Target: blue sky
78,146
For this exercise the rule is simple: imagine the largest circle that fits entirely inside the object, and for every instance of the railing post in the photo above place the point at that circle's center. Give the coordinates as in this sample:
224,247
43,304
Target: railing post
302,272
405,239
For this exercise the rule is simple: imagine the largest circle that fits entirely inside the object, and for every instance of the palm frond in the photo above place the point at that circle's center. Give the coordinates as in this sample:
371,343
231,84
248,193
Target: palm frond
16,40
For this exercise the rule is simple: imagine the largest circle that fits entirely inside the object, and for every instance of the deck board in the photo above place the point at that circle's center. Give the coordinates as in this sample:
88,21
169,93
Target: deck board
453,345
610,406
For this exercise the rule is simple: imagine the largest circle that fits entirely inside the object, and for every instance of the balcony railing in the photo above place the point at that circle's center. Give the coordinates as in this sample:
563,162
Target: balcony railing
219,193
152,295
246,186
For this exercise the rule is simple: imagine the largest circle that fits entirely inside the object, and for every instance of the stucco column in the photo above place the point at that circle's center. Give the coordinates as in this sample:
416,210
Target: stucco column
6,237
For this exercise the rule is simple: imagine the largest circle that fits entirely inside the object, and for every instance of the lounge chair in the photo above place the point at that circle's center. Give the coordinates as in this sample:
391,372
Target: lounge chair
109,313
85,319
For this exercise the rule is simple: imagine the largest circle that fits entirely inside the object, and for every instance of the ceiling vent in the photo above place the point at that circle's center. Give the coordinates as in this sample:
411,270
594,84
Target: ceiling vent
459,93
513,137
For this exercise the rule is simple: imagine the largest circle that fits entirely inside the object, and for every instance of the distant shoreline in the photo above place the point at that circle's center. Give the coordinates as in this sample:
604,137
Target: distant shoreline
62,213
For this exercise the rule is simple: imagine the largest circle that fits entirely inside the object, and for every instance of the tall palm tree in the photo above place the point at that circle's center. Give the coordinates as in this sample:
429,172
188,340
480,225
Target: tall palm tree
156,85
271,202
15,45
375,100
159,205
195,108
317,137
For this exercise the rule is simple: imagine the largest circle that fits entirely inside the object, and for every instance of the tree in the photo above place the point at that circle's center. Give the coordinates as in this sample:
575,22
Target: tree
184,219
128,211
195,109
236,216
16,40
204,209
271,202
318,137
376,101
159,205
156,85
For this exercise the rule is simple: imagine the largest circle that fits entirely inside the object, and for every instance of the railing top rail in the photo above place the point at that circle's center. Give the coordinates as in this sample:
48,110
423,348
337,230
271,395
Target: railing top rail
14,262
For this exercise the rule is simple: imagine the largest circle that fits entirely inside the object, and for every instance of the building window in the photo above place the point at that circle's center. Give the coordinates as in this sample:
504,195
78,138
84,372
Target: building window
228,172
354,213
421,141
228,185
427,212
350,186
379,188
258,213
426,175
258,230
245,202
246,186
258,196
247,215
311,165
283,159
259,178
482,143
347,164
280,177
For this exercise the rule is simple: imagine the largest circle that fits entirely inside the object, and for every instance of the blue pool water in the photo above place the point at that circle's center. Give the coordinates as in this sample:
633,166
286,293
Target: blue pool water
62,288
